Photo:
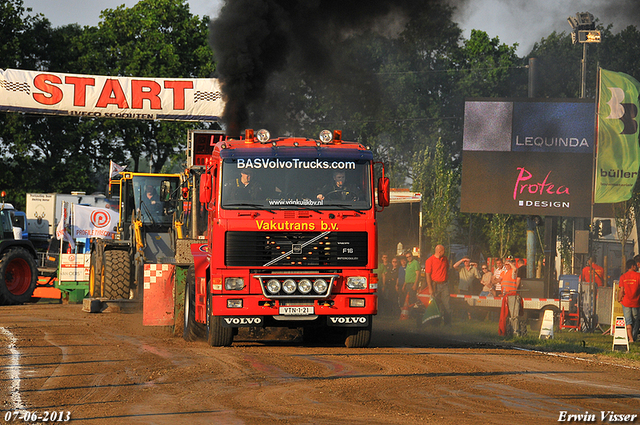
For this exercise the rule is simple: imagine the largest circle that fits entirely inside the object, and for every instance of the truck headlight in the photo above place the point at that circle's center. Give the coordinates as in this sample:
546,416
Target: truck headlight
320,286
233,283
304,286
357,282
273,286
289,286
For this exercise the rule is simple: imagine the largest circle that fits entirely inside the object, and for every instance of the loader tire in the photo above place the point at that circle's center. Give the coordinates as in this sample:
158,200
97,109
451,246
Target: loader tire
117,274
192,330
18,276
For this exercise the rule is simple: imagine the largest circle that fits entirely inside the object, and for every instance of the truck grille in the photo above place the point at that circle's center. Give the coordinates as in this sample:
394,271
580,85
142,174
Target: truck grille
258,249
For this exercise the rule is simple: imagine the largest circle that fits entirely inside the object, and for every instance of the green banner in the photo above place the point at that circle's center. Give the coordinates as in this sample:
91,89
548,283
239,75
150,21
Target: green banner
618,153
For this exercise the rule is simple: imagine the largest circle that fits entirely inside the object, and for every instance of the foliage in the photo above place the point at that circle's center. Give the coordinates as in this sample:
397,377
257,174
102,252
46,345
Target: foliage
564,341
438,182
155,38
565,237
625,217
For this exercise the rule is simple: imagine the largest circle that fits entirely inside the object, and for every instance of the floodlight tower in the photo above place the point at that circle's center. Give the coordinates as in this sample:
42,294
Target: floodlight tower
584,31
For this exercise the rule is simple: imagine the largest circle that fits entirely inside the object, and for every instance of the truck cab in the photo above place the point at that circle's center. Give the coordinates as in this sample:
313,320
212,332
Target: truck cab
291,239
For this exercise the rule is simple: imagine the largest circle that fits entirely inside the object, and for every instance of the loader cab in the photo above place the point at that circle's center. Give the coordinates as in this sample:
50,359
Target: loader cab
150,198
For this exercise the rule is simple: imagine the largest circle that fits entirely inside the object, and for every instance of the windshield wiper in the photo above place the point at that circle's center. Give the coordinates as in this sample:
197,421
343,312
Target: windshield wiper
345,207
256,206
303,207
146,210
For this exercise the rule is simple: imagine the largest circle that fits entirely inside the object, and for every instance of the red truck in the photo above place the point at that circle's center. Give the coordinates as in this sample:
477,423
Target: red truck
291,239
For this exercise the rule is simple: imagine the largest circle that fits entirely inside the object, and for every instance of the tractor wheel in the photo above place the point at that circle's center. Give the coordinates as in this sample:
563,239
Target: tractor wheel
217,335
358,337
18,276
192,330
117,274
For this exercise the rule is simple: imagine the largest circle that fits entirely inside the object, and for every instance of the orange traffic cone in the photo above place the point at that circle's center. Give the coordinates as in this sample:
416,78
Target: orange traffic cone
404,312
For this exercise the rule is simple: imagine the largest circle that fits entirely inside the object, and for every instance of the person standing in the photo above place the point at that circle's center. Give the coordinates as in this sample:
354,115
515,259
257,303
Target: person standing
468,272
521,272
381,271
629,297
391,286
487,284
592,267
509,278
411,275
400,285
436,269
497,275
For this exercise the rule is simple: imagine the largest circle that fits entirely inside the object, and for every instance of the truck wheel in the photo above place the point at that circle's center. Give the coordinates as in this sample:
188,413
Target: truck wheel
217,335
18,276
358,337
117,274
192,330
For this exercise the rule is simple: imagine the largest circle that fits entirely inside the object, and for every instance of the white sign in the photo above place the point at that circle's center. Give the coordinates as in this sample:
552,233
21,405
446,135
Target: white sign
183,99
75,267
90,222
620,337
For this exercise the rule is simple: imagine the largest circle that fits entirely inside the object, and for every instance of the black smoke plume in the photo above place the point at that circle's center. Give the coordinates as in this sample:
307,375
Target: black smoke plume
254,39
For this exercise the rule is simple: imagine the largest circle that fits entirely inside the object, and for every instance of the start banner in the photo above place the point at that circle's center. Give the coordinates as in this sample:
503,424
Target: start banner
96,96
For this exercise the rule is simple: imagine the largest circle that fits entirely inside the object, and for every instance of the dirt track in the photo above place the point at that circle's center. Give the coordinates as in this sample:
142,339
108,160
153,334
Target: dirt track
108,368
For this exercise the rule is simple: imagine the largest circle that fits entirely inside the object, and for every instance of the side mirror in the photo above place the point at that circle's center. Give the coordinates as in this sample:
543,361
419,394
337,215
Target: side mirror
205,188
384,192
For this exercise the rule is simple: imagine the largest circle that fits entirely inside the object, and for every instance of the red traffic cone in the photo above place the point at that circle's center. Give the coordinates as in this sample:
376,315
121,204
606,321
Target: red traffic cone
404,312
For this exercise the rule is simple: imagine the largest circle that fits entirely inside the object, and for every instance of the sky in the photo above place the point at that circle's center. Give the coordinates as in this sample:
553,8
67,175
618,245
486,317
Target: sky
512,21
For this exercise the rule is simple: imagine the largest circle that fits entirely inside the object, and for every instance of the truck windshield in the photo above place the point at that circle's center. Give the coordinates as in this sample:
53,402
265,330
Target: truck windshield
295,183
155,198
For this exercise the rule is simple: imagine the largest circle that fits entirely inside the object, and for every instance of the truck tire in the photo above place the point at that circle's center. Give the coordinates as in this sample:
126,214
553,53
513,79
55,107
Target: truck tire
217,335
192,330
18,276
358,337
117,274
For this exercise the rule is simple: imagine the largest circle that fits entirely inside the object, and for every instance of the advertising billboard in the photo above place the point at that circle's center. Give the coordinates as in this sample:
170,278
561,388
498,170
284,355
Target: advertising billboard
528,156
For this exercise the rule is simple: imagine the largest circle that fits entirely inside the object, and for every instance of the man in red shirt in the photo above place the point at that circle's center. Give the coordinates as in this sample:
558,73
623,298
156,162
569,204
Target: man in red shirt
436,269
598,272
629,297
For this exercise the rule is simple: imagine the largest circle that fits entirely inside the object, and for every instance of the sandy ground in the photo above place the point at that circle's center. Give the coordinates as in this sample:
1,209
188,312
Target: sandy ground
107,368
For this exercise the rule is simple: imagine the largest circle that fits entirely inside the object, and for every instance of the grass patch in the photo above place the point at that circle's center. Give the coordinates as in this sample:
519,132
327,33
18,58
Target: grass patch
564,341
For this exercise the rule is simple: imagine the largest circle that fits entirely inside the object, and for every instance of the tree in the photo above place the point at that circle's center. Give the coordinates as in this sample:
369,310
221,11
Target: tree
488,68
625,216
438,183
154,38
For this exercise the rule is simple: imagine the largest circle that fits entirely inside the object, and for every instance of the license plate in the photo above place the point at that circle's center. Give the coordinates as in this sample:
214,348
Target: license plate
296,311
